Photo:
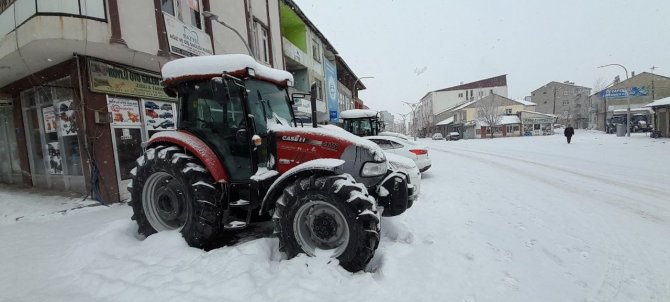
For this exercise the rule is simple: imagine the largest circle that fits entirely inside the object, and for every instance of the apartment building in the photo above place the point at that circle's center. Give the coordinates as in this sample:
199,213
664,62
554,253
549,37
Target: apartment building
566,100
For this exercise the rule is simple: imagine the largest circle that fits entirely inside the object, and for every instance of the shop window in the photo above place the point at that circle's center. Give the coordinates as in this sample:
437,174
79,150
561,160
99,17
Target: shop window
52,126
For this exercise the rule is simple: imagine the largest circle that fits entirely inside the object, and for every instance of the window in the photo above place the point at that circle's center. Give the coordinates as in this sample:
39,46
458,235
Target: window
194,8
262,42
460,95
319,90
566,102
384,144
168,6
508,111
316,50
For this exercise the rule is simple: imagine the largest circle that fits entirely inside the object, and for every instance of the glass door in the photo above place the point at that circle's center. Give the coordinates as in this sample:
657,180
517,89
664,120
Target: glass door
127,137
10,167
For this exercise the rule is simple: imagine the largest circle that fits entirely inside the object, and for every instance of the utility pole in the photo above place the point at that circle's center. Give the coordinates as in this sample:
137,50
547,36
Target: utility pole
627,96
413,106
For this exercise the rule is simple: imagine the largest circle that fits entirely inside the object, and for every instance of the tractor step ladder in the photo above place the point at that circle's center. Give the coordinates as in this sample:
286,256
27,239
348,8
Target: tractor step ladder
239,203
235,225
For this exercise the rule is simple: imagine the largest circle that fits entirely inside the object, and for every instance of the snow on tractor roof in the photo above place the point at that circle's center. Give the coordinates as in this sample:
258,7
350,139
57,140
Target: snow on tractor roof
205,67
358,113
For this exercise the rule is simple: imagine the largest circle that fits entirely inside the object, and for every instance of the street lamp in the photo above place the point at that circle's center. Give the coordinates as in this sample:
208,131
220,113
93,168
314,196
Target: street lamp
353,89
215,18
404,121
413,106
627,98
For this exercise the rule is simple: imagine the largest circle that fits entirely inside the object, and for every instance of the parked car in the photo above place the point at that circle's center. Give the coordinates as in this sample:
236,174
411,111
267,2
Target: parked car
401,163
166,107
399,146
396,134
453,136
151,105
437,136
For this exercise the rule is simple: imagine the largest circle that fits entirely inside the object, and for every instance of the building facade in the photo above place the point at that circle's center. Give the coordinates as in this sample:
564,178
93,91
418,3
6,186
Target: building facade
566,100
641,89
80,111
439,101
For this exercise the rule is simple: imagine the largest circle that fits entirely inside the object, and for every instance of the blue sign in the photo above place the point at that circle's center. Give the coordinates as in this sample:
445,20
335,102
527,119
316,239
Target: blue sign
621,92
331,91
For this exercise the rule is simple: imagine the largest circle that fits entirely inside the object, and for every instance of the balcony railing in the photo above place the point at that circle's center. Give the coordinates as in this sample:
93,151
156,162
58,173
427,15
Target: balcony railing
14,13
294,53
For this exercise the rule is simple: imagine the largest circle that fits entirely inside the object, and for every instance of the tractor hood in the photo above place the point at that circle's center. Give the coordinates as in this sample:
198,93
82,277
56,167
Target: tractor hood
297,145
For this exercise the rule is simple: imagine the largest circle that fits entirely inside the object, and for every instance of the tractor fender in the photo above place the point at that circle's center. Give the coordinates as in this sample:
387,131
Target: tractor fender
322,166
195,146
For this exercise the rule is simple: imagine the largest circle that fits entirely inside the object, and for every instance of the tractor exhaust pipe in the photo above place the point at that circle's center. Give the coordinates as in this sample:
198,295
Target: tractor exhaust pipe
312,100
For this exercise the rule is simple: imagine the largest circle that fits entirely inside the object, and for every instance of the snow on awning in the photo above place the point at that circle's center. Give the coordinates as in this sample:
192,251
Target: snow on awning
660,102
446,122
509,119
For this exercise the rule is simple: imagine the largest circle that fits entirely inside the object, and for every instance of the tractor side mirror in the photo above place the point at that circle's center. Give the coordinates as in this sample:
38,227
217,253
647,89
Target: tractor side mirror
220,90
241,136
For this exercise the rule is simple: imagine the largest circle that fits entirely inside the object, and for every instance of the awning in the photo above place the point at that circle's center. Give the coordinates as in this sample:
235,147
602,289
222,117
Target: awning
446,122
661,102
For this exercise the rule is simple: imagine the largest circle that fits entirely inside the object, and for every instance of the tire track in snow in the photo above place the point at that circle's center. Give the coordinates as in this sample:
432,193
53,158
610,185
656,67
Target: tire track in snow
628,204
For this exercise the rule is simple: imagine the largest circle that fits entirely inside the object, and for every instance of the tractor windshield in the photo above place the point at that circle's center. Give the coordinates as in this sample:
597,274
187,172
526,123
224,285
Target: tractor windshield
269,104
361,127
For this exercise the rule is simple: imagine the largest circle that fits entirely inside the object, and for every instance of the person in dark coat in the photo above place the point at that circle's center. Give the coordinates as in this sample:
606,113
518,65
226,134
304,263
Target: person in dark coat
569,132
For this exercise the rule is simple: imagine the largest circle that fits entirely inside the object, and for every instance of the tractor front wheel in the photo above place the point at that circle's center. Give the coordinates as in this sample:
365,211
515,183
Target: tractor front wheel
171,191
328,214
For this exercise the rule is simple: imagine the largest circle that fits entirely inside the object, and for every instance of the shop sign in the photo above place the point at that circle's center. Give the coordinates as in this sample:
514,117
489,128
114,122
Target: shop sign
186,40
331,90
49,118
125,112
537,120
112,79
621,92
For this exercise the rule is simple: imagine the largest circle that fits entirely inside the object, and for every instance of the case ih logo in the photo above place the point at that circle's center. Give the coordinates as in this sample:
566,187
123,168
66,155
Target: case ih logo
297,138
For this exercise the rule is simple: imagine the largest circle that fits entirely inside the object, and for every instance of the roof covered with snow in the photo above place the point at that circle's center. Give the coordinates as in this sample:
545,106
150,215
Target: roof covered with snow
358,113
634,110
204,67
660,102
525,103
446,121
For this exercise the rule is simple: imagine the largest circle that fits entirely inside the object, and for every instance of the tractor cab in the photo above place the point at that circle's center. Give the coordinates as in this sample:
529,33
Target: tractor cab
362,122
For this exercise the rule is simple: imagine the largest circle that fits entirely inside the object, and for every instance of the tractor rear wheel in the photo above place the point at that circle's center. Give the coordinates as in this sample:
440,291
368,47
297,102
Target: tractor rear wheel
328,214
172,191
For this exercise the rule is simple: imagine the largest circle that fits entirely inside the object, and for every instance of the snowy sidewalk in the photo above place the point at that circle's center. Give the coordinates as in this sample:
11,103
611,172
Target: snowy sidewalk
29,204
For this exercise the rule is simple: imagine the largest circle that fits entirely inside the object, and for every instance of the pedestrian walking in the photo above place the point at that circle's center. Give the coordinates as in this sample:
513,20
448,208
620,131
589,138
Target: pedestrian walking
569,132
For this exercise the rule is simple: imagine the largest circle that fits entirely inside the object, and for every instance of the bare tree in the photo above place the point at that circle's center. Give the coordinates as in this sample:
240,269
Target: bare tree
488,111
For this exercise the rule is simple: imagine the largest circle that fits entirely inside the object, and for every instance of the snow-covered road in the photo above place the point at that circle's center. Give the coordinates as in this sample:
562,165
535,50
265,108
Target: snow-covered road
513,219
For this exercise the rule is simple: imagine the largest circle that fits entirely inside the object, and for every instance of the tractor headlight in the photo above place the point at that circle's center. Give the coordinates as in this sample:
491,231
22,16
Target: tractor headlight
371,169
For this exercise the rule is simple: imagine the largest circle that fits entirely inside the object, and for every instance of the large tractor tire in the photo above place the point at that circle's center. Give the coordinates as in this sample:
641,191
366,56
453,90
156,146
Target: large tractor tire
331,213
171,190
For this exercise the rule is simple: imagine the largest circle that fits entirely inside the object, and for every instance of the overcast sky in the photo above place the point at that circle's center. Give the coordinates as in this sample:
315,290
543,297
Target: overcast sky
412,47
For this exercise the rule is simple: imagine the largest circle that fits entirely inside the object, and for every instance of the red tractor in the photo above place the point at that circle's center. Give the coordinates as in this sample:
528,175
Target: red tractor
240,157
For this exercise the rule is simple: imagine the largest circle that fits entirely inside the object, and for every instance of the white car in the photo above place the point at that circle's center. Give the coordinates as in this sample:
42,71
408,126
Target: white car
400,163
405,148
396,134
437,136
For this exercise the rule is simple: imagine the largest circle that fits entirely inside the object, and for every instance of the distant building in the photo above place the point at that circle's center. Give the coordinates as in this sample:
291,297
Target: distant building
389,120
642,88
568,101
439,101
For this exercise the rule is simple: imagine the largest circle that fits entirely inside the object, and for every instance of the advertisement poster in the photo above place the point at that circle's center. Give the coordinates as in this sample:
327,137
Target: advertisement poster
159,115
55,163
49,119
125,112
67,119
112,79
331,91
186,40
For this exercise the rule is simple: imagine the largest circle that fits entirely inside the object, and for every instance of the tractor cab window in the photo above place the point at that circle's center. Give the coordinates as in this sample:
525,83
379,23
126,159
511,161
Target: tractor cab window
360,127
219,123
269,104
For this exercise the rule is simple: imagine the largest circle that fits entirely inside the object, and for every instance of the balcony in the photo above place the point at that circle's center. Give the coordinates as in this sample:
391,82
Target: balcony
295,57
20,11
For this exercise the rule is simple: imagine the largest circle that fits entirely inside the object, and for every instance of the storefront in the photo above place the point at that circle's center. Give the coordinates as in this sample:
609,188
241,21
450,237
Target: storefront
10,166
138,108
51,127
536,123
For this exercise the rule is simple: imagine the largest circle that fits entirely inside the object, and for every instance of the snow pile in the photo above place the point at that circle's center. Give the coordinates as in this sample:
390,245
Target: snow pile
208,66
